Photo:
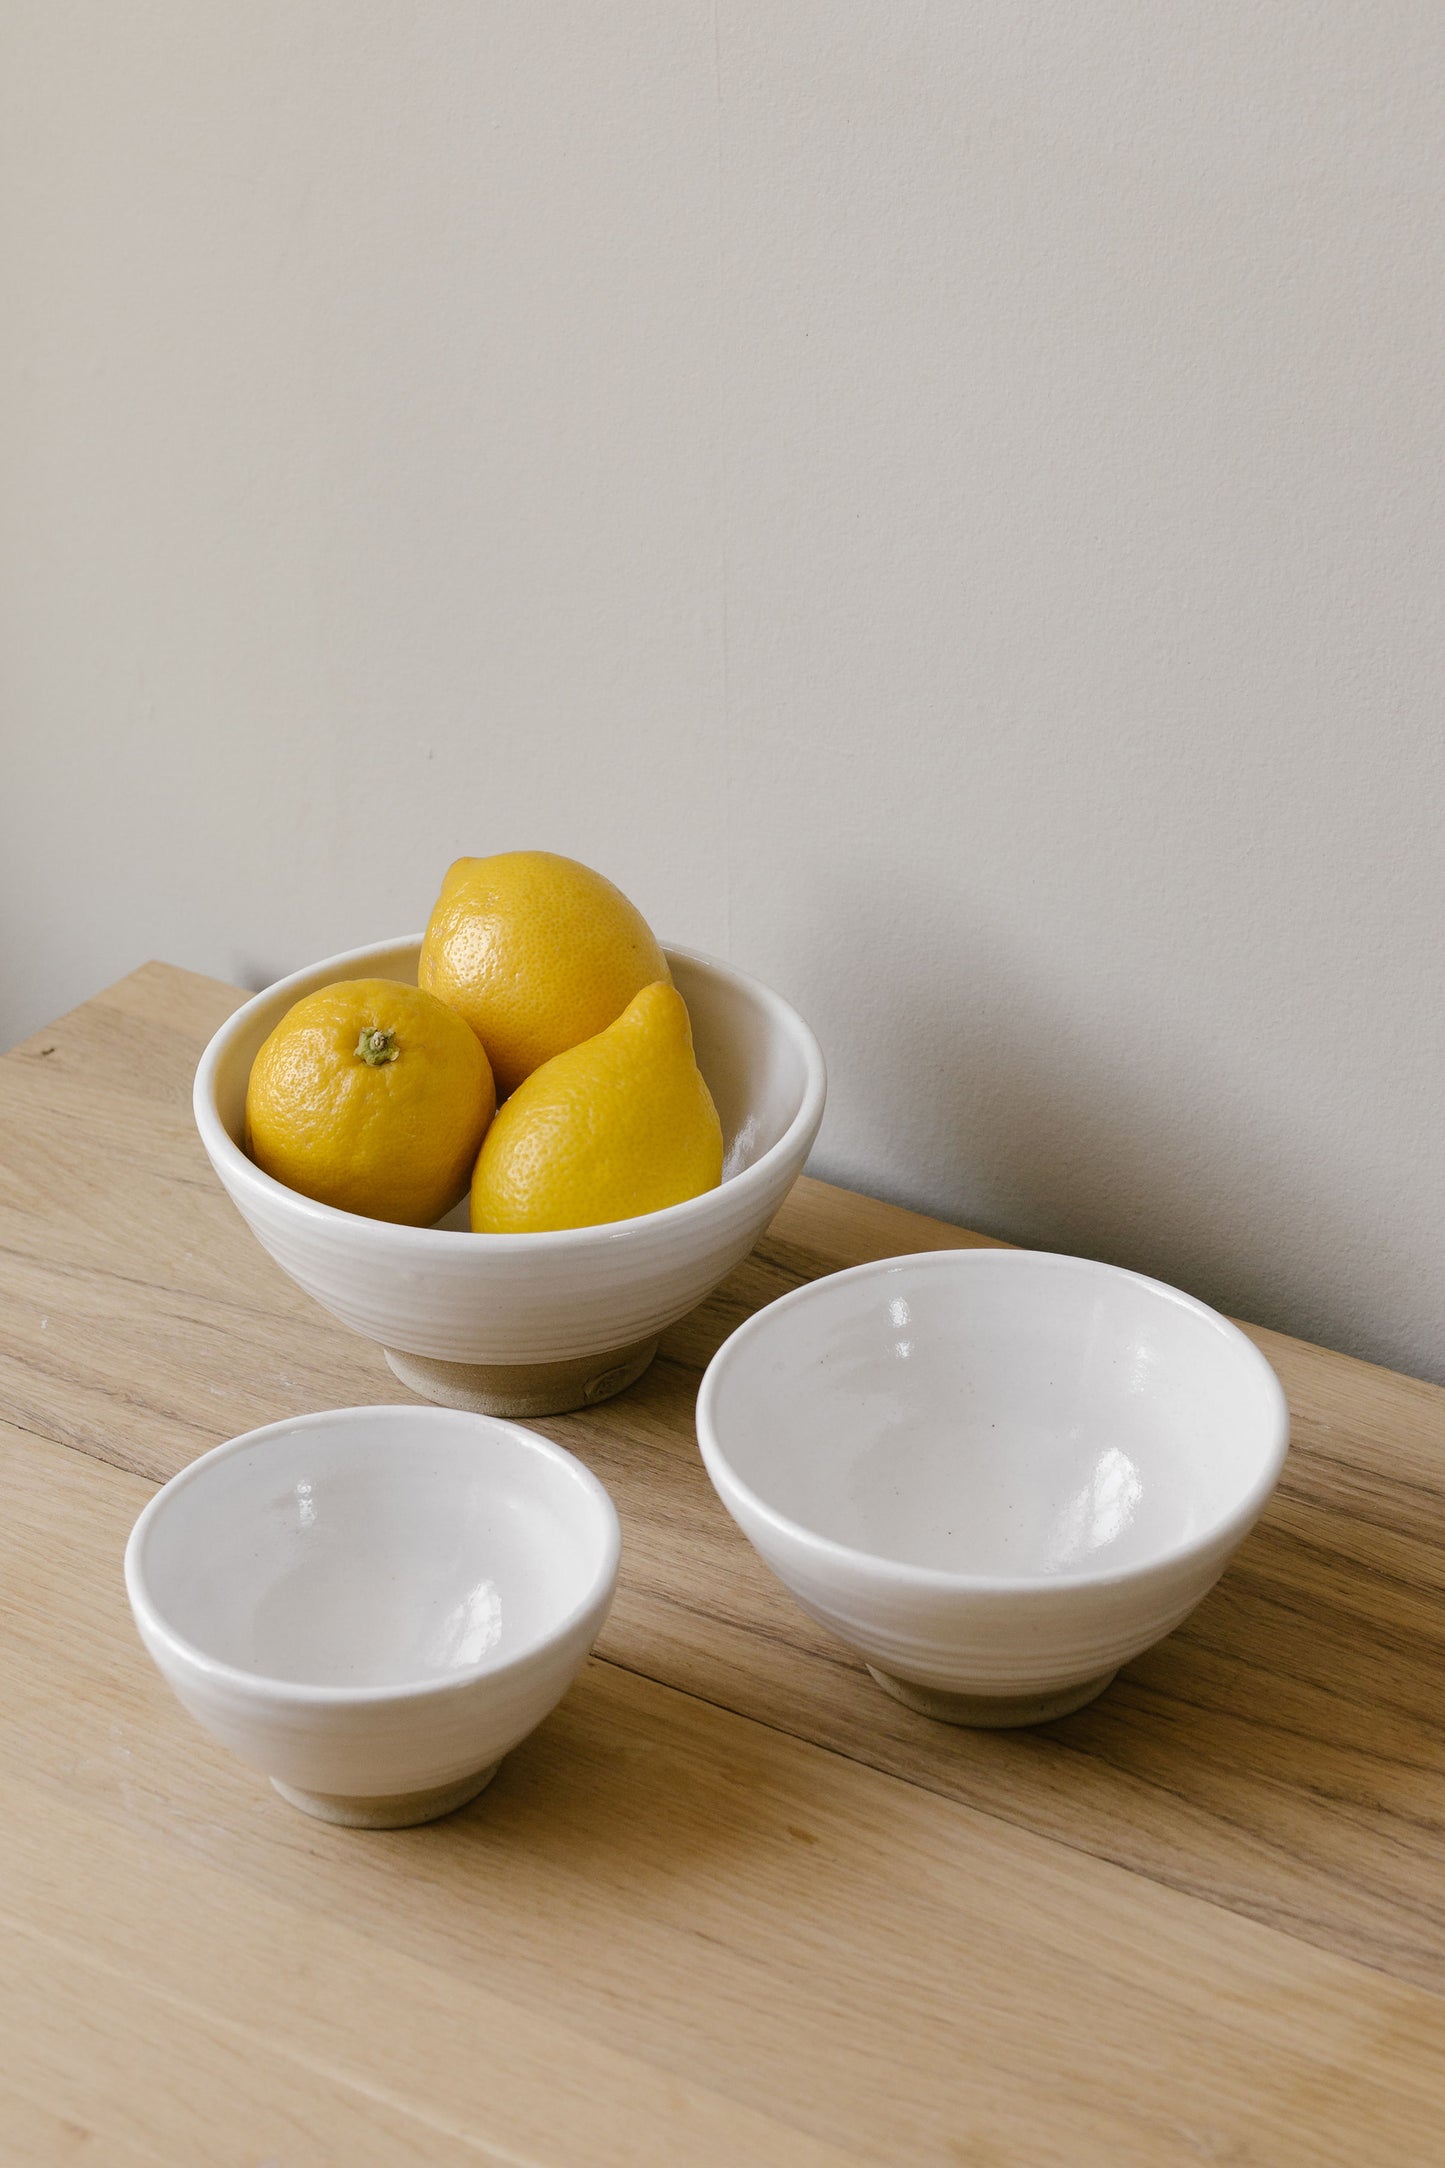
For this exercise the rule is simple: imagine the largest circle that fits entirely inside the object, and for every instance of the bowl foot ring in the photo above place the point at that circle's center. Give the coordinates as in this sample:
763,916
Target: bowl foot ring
399,1810
524,1388
992,1712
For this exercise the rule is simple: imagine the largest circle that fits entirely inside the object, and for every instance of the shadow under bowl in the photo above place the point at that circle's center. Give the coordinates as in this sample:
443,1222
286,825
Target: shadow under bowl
374,1605
532,1324
996,1474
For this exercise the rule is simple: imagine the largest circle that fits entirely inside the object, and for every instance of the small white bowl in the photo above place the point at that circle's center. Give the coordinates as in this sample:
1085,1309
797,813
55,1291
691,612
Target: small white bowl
373,1605
537,1323
997,1474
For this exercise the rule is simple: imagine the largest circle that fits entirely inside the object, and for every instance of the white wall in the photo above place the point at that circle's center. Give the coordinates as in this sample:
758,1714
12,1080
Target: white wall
943,504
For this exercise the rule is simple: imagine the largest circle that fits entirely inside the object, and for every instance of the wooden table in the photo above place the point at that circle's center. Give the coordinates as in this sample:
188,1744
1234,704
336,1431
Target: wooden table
731,1904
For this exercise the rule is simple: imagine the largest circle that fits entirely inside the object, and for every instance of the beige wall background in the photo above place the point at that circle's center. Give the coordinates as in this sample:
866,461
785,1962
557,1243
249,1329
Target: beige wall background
942,503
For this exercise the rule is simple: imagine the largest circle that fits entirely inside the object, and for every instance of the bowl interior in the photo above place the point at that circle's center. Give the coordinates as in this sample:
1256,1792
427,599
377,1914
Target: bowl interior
375,1548
755,1067
1002,1414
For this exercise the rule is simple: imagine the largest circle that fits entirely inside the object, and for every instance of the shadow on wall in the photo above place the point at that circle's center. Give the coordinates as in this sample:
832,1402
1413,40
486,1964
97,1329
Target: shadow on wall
1078,1110
254,976
985,1085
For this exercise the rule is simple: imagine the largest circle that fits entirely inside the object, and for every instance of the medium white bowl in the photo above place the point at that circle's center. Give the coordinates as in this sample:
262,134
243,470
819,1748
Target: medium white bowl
997,1474
532,1324
374,1605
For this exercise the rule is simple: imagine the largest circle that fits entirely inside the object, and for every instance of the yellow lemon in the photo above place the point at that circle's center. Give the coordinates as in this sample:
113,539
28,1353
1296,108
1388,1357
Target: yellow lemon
622,1124
537,953
373,1097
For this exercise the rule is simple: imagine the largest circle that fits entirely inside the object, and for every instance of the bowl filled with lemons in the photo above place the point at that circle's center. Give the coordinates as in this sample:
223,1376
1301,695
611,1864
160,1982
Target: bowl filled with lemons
515,1148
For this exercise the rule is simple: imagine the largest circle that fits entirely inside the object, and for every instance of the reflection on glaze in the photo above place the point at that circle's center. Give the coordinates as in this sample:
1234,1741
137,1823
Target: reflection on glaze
996,1497
1096,1515
305,1505
743,1149
469,1629
898,1311
1143,1365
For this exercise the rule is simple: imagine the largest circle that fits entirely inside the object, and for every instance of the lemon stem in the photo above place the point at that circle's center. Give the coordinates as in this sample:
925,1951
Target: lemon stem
377,1046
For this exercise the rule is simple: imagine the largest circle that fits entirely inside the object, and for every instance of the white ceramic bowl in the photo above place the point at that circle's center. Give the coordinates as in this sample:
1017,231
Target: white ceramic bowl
997,1474
374,1605
532,1324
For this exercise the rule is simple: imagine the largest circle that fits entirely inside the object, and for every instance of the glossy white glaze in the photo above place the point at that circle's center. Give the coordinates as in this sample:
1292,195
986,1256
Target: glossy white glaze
373,1605
993,1472
452,1296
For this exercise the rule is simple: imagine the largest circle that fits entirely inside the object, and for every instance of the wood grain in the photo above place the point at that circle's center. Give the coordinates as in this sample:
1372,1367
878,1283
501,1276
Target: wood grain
669,1933
750,1903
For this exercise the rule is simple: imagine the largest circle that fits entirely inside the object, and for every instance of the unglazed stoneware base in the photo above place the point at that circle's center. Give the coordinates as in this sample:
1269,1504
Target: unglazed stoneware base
524,1388
393,1598
998,1475
992,1712
426,1288
403,1810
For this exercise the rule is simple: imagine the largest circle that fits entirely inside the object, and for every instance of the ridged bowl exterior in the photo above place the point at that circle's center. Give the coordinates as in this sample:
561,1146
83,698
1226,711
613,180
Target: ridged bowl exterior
958,1633
392,1744
351,1741
458,1297
989,1641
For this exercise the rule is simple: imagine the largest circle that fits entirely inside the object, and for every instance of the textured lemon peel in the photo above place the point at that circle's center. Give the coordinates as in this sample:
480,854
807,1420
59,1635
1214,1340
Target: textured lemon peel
619,1126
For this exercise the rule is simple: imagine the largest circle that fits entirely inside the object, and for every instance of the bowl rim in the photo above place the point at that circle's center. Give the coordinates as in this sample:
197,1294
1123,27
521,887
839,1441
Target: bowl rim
235,1167
1229,1527
179,1647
